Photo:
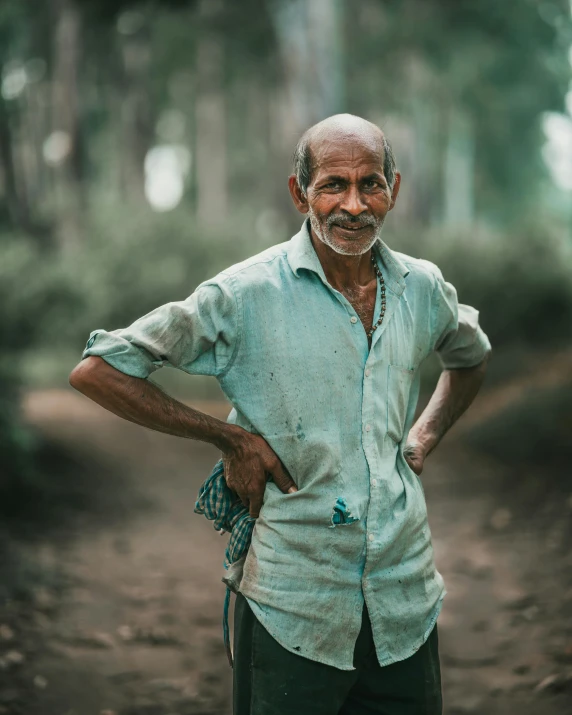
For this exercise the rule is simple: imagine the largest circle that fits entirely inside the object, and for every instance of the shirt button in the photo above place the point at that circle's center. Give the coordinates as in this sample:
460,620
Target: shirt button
368,372
370,537
374,482
353,319
367,428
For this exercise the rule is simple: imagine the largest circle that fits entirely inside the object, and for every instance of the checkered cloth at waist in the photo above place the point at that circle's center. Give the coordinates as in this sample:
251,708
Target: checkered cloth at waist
220,504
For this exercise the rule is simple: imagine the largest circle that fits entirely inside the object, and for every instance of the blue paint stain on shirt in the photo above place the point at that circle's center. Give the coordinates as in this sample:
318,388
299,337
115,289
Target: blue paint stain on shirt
341,514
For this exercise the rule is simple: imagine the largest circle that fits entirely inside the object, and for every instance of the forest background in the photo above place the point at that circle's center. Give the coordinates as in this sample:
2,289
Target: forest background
146,145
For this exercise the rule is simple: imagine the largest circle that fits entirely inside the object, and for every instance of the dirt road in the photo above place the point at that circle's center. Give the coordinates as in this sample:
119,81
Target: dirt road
125,610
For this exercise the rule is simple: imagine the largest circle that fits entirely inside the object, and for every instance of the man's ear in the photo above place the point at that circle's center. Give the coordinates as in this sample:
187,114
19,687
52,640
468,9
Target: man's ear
298,196
395,190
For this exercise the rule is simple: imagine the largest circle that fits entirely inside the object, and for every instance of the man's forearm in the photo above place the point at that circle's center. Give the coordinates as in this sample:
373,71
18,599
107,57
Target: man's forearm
144,403
455,391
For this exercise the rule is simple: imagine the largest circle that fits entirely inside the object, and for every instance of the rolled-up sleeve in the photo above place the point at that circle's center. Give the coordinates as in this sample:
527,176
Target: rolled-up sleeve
198,335
458,338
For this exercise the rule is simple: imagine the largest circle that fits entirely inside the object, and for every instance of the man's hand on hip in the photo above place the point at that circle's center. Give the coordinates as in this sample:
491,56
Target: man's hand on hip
248,459
414,456
247,466
455,391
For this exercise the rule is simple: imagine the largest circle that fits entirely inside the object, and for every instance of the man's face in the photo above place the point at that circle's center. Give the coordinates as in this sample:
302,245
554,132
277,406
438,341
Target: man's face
348,197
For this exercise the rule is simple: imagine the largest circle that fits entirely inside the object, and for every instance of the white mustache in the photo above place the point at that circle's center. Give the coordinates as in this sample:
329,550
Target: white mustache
350,221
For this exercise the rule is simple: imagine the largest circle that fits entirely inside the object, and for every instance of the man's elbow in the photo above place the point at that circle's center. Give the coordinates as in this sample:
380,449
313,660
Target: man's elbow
84,374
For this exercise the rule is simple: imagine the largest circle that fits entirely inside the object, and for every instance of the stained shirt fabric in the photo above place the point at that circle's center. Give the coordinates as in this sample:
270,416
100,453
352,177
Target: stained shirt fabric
292,356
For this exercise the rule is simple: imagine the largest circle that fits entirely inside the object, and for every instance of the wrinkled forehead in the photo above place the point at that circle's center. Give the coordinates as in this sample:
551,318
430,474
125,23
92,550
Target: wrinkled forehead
334,150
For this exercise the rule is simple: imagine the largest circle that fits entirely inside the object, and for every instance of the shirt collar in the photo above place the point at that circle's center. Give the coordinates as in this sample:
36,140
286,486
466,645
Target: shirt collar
301,254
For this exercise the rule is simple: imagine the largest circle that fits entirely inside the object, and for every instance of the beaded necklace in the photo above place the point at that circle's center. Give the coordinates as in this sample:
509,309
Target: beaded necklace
369,333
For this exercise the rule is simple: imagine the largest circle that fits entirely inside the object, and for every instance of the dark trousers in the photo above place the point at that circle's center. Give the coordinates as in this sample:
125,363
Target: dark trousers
269,680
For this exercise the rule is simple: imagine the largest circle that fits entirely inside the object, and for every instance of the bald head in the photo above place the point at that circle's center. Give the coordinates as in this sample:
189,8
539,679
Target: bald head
340,129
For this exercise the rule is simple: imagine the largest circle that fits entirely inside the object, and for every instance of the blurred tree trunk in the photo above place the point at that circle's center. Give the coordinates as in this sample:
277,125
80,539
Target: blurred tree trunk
68,171
255,93
326,42
31,145
312,51
136,115
15,204
312,56
459,170
293,109
211,119
425,106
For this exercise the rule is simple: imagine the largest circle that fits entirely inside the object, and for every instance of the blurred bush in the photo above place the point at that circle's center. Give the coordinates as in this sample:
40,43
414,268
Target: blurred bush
129,267
132,264
520,281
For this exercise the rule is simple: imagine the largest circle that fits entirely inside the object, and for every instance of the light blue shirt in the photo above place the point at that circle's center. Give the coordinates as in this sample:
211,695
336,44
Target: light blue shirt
292,357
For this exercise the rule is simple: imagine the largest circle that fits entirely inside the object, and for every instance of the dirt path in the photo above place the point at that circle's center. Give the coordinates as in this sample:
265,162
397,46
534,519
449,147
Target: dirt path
135,628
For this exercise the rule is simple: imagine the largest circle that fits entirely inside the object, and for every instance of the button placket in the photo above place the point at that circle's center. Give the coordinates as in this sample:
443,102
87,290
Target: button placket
370,449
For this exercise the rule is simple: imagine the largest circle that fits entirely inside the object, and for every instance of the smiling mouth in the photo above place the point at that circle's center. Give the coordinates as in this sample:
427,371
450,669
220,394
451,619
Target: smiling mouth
351,228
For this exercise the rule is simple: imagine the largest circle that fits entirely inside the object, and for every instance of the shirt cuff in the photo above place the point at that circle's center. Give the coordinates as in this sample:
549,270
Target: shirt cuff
121,354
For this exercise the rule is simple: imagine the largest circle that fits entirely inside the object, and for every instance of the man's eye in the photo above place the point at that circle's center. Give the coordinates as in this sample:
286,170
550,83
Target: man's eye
371,184
332,185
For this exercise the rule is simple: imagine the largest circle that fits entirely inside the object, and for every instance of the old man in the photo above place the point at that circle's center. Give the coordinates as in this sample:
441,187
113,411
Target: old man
317,343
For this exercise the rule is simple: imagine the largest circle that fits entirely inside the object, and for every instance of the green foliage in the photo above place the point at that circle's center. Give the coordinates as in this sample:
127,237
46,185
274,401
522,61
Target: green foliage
34,292
520,281
131,265
106,12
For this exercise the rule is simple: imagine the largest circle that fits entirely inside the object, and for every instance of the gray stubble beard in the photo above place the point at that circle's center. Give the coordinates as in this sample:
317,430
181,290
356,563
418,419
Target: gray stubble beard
326,236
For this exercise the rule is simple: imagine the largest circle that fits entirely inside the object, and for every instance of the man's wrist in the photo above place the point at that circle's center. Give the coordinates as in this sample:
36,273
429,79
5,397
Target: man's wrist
229,437
423,441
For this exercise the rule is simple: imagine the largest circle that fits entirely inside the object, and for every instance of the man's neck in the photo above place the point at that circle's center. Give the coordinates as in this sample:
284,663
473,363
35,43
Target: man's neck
343,272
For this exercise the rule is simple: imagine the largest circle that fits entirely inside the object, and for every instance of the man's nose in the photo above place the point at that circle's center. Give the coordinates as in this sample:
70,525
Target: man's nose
352,202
